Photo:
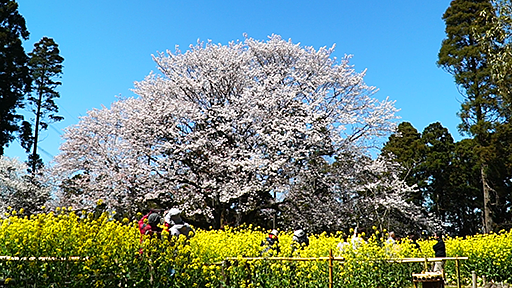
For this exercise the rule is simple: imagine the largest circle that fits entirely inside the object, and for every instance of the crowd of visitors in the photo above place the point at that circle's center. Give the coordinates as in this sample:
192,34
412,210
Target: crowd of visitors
151,224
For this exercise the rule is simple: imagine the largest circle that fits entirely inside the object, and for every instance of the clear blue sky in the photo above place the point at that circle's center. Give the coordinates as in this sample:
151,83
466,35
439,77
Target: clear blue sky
107,45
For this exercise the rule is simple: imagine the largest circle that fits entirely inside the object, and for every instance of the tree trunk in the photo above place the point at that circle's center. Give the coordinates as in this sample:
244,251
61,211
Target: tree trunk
36,132
487,221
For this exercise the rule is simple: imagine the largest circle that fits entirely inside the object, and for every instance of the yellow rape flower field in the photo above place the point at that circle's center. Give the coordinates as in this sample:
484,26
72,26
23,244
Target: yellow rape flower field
68,249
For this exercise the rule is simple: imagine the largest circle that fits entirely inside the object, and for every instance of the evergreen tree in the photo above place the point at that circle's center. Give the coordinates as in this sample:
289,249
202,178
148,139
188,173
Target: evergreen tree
500,171
407,148
464,208
446,174
45,66
435,169
497,42
14,73
463,56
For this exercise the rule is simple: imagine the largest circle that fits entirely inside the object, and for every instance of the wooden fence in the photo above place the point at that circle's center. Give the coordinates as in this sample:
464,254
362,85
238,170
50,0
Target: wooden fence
331,260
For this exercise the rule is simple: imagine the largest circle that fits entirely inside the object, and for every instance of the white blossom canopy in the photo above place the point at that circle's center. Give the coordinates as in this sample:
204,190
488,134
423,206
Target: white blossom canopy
221,127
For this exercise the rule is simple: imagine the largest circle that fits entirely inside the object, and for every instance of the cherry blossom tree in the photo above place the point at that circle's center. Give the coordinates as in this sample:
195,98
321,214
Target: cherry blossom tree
384,200
19,189
355,191
221,128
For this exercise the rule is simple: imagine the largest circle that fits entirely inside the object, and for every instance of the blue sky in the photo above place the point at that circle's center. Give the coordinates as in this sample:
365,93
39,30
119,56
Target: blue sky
107,45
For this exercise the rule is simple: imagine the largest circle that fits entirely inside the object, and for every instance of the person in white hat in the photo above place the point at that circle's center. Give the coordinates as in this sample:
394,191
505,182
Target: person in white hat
175,224
300,239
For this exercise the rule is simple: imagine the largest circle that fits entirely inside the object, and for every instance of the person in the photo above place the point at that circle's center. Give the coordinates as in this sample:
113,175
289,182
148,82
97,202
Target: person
391,239
148,224
412,239
391,247
343,246
175,224
357,238
439,250
271,243
299,239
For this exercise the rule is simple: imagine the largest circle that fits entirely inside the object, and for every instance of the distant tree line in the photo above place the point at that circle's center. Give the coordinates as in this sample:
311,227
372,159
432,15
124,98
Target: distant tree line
447,177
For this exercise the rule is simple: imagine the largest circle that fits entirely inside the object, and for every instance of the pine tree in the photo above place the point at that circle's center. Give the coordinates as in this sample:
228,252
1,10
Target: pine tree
436,169
45,66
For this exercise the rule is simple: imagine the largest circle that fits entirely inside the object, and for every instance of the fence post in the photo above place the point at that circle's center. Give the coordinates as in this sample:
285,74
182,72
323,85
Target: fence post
473,279
330,268
458,272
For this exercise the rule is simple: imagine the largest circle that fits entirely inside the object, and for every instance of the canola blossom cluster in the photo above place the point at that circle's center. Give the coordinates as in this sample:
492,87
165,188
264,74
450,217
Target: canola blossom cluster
77,249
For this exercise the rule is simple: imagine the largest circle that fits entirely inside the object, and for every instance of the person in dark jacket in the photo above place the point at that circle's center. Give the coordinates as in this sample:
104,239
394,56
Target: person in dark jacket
439,250
412,239
300,239
271,244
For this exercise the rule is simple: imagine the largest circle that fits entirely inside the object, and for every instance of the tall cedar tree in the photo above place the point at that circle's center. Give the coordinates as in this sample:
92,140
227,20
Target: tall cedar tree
501,64
45,66
498,43
464,57
14,74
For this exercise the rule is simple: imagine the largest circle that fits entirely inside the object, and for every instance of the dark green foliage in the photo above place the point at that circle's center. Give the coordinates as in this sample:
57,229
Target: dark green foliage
446,174
45,67
463,208
500,174
14,73
405,144
465,58
407,149
465,55
435,168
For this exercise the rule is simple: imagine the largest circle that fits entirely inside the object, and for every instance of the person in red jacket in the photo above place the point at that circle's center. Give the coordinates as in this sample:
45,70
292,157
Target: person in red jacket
148,225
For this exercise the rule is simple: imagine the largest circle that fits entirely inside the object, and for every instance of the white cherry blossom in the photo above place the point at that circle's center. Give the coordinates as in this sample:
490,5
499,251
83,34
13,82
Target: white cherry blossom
219,128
